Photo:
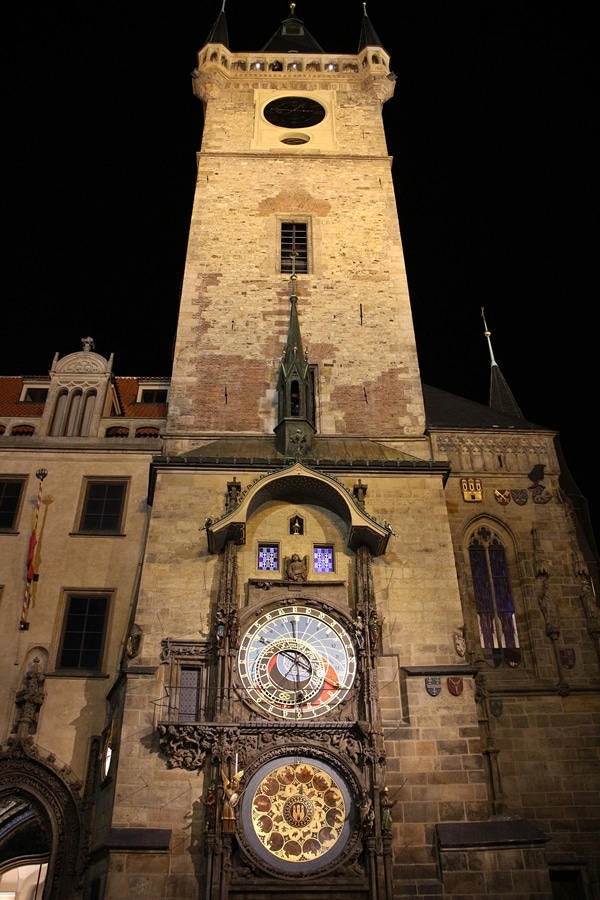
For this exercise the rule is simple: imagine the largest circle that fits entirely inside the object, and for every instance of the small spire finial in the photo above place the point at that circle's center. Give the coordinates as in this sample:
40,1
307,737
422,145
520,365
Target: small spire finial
292,8
488,335
365,8
223,7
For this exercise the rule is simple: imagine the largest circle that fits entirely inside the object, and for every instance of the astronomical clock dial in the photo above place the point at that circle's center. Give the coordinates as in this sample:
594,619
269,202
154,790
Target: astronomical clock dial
296,662
297,814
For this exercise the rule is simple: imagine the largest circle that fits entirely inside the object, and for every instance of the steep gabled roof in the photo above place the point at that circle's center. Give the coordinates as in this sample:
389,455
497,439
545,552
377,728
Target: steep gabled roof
448,411
292,35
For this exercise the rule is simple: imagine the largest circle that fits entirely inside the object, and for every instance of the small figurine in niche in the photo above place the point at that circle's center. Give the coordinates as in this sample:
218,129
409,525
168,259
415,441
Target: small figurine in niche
359,630
366,813
387,806
211,810
374,631
234,489
231,797
296,569
220,626
360,492
234,630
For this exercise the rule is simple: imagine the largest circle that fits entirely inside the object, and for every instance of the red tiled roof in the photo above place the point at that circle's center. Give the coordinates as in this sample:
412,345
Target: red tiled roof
10,391
11,388
127,391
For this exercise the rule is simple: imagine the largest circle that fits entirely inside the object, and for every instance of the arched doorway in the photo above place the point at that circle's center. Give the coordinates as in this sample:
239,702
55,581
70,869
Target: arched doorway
39,827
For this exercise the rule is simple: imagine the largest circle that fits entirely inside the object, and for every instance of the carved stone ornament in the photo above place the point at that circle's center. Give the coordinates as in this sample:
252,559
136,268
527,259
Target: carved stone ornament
190,746
30,698
296,569
460,644
26,772
83,362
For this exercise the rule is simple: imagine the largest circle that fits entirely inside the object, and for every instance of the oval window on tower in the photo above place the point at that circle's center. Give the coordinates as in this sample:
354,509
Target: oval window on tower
294,112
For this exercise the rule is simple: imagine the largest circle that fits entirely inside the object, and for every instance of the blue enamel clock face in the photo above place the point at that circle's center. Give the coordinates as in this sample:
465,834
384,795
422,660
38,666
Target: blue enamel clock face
296,662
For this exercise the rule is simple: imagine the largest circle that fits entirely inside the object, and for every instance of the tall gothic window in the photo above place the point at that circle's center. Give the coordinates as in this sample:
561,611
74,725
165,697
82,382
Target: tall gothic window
493,599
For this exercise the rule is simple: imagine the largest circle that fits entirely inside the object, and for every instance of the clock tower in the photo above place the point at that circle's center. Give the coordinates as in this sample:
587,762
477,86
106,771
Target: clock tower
299,551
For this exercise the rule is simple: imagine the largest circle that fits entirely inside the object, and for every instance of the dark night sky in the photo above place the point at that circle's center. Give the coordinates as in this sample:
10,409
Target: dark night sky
491,133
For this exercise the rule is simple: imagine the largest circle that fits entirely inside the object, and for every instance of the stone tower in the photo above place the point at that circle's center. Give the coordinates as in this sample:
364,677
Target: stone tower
299,539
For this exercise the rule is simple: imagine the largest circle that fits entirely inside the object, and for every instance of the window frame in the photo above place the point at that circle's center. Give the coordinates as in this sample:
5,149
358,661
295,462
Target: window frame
5,480
271,545
286,269
323,546
83,511
494,592
74,595
188,656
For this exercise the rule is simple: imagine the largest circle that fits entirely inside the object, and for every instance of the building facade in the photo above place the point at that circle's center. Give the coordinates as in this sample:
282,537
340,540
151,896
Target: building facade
310,625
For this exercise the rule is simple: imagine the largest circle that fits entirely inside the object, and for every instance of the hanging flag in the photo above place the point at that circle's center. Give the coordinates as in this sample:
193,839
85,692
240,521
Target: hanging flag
31,575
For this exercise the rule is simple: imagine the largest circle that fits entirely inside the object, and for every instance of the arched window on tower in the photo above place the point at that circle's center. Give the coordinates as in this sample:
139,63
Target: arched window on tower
494,601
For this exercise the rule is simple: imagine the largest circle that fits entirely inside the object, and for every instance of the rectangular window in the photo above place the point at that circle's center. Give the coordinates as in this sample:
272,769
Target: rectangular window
84,630
294,247
323,559
103,507
154,395
35,395
268,557
11,494
186,692
190,691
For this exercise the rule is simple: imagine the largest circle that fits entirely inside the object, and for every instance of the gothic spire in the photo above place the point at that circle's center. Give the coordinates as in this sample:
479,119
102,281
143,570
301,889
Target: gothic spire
295,390
292,36
218,33
368,35
501,396
293,355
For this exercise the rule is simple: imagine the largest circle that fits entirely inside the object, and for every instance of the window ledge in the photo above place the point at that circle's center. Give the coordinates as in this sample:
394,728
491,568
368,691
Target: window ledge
77,673
111,534
8,531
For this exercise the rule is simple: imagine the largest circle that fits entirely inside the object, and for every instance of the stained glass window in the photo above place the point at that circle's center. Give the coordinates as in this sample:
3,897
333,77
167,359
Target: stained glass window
493,599
323,559
268,557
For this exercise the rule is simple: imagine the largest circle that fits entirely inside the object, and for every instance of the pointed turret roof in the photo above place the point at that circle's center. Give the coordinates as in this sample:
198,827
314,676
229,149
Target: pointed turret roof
218,33
501,397
368,35
292,35
293,354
